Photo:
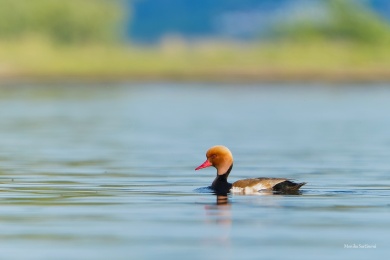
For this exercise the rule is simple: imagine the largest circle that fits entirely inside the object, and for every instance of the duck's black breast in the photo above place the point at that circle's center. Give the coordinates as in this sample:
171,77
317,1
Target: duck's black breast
220,185
221,188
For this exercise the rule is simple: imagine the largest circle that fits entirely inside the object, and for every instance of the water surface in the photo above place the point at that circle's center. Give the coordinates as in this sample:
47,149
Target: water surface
107,171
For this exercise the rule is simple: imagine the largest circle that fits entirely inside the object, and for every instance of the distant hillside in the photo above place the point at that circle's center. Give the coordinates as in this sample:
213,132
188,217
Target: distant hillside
244,19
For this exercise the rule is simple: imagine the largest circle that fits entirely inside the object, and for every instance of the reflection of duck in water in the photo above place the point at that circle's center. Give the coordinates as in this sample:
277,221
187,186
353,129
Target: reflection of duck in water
222,159
219,215
221,211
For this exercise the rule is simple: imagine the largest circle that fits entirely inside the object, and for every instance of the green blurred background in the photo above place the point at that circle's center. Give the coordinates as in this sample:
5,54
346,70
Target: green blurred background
279,40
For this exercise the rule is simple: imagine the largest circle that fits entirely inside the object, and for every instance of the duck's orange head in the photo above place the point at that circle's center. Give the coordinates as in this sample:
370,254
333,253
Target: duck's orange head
220,157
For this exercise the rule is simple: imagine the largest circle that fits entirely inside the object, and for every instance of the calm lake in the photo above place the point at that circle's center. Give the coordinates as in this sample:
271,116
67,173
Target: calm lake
107,171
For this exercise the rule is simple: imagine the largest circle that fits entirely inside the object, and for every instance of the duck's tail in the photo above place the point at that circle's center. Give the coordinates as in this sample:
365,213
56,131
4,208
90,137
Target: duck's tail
288,187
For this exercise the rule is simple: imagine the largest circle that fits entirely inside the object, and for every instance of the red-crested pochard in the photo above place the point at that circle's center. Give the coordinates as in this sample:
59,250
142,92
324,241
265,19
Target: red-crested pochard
221,158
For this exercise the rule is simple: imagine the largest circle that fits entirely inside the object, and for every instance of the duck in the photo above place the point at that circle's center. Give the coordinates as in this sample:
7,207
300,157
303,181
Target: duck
221,158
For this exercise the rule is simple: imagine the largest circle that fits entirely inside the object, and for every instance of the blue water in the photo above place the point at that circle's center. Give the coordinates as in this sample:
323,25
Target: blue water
107,171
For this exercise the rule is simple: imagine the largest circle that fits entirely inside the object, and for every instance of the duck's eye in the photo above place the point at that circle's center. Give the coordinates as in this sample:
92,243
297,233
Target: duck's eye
213,156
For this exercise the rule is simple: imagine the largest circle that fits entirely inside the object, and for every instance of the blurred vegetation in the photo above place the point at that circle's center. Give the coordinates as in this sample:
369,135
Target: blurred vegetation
62,21
348,21
45,39
196,61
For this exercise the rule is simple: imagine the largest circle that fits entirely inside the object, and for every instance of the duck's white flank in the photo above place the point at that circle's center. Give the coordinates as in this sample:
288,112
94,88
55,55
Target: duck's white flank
249,189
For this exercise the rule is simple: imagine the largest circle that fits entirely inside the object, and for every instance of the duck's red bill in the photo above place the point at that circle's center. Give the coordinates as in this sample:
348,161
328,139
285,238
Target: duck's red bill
203,165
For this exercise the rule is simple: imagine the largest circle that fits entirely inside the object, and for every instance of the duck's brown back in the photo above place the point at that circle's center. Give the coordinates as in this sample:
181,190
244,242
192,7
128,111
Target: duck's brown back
267,183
